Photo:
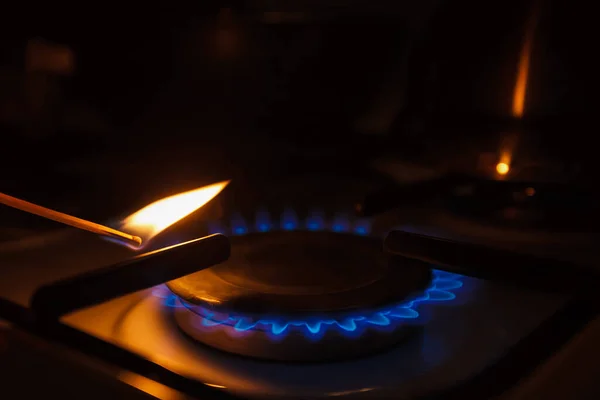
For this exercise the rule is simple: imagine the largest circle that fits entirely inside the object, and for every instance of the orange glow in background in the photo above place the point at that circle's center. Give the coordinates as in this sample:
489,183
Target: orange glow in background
502,168
520,91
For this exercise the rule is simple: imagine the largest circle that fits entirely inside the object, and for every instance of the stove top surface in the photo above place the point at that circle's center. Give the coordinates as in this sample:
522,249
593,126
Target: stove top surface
476,326
474,330
473,335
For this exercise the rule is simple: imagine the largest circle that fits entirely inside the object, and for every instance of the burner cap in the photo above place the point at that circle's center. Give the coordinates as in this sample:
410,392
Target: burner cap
303,272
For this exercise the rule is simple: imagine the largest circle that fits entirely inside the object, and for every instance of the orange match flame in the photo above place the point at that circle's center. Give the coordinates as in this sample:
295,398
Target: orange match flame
158,216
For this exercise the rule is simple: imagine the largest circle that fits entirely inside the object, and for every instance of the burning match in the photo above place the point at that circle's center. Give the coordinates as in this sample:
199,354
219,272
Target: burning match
147,222
158,216
69,220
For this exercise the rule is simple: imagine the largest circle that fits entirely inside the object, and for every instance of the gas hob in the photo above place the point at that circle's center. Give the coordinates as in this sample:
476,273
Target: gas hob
254,332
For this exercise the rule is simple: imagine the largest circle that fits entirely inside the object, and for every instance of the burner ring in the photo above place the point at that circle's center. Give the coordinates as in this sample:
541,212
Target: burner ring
294,345
312,310
313,338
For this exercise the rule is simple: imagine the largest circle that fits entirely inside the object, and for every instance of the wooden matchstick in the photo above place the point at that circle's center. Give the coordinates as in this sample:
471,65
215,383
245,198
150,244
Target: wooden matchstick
69,220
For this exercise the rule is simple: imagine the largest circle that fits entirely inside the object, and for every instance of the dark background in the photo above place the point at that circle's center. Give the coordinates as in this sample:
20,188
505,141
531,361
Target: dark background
155,101
187,95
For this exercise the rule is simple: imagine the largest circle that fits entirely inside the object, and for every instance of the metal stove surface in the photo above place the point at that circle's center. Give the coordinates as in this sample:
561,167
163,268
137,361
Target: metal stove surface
572,246
472,336
436,220
471,333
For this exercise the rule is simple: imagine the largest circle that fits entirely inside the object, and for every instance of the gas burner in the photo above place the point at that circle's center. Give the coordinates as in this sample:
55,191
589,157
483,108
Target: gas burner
306,295
531,205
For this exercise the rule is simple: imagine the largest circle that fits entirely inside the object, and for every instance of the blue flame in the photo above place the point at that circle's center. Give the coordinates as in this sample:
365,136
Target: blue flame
263,222
442,288
362,227
315,221
289,221
341,223
238,224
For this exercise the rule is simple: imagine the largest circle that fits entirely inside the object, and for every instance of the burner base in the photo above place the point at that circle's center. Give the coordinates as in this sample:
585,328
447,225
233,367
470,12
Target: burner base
303,296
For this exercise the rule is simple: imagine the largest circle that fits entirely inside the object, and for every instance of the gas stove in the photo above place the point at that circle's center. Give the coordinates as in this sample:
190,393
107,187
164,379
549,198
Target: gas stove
307,306
452,293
